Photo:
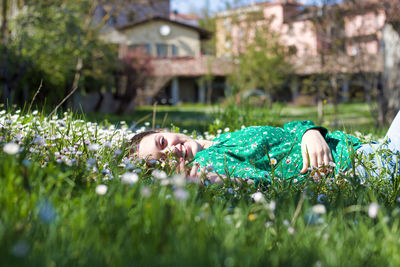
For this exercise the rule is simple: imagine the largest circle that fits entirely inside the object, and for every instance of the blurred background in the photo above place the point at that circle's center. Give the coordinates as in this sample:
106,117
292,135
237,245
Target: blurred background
123,57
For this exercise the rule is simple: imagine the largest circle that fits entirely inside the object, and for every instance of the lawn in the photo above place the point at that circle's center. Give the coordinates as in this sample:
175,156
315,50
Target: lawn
70,196
352,117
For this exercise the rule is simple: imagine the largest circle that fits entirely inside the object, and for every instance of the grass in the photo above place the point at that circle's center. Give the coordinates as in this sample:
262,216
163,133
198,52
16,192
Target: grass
352,117
69,196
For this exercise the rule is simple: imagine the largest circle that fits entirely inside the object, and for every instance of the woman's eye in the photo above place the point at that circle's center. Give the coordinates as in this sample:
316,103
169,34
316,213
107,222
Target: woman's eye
162,141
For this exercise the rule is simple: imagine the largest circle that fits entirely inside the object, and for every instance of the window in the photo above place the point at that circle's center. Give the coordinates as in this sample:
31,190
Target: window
162,50
141,48
174,50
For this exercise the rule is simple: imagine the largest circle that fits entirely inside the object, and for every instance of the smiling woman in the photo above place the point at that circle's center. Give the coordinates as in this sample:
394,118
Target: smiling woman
263,153
157,145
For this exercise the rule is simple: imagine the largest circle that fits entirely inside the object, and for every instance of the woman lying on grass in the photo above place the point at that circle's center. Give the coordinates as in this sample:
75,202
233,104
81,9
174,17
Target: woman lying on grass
261,153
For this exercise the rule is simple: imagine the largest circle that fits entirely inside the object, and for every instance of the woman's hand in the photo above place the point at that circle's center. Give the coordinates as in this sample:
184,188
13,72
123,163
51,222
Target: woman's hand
191,173
314,150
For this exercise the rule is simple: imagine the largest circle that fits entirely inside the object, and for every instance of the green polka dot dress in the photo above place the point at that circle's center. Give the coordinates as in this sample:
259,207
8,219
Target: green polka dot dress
262,152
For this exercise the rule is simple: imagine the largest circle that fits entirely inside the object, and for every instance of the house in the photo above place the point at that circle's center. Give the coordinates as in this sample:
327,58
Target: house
179,69
347,39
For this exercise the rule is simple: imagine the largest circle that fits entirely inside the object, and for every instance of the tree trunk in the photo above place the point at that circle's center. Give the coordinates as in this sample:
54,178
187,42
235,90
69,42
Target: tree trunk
4,23
335,100
5,94
209,92
77,76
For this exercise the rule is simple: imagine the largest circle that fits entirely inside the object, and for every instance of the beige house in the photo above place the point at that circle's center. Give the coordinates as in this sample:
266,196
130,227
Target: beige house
178,65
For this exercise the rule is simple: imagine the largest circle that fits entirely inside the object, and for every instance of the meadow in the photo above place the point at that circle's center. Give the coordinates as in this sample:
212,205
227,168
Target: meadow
71,196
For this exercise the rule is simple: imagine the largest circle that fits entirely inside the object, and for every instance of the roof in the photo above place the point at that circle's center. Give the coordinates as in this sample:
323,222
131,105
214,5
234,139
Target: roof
204,34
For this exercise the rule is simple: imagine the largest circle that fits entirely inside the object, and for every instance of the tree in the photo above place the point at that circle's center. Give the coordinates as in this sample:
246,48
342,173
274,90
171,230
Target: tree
136,68
60,41
262,61
379,73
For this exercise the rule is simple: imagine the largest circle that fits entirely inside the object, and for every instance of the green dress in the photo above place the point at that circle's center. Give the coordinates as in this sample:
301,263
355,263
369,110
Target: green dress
262,152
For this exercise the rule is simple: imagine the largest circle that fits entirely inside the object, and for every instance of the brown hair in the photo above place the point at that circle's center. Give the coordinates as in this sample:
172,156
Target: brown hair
134,144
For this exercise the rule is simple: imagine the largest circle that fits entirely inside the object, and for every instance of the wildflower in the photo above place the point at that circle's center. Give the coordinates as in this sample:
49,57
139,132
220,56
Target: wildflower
319,209
129,178
11,148
145,191
332,164
272,205
210,168
268,224
252,217
101,189
159,174
90,162
286,222
94,147
20,249
316,177
153,162
179,180
321,198
47,212
181,194
226,129
273,161
291,230
257,197
373,210
38,140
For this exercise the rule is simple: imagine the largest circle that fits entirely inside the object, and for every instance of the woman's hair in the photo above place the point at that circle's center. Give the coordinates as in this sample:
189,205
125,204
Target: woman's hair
134,144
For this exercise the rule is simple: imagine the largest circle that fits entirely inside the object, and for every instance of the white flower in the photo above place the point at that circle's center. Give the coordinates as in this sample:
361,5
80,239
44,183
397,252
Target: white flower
226,129
291,230
319,209
94,147
179,180
181,194
332,164
101,189
159,174
272,205
258,196
129,178
11,148
153,161
373,210
273,161
210,168
145,191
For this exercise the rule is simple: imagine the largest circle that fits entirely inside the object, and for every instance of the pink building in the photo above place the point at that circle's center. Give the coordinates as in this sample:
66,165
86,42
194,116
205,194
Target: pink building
350,38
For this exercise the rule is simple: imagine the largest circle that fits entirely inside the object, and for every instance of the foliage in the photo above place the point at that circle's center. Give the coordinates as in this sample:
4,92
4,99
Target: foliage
70,196
136,67
262,60
55,38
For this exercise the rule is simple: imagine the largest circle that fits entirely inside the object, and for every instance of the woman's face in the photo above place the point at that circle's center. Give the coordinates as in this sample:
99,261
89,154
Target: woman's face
157,145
